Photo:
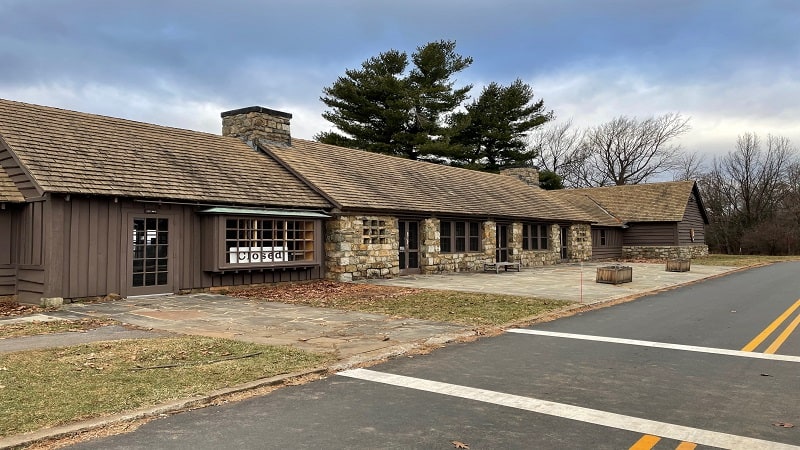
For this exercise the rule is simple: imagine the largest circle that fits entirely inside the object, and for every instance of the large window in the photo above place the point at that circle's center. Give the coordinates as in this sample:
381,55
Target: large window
260,241
534,236
460,237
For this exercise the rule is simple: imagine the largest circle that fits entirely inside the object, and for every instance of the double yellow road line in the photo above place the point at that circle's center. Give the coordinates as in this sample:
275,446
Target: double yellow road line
776,344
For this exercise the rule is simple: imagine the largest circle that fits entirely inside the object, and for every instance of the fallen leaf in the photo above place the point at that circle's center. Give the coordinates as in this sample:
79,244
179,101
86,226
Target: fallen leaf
764,374
783,424
459,444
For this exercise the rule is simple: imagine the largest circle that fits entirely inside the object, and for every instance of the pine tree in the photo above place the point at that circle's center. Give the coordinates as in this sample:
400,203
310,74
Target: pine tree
491,132
383,107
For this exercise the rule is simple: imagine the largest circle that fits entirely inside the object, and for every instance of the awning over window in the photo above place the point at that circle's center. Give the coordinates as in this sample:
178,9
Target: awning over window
234,211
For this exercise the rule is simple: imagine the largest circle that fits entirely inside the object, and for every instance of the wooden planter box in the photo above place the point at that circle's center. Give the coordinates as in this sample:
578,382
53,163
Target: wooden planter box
614,274
679,265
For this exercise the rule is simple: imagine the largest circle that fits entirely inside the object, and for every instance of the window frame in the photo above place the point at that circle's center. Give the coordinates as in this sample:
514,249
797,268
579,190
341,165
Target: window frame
542,235
464,234
303,232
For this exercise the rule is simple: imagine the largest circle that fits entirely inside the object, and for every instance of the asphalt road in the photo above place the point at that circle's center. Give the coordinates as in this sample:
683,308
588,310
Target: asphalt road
665,372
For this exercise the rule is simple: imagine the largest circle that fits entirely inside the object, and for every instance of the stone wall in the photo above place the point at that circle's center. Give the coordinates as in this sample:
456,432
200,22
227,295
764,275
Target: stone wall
579,246
528,175
358,247
663,251
434,261
530,258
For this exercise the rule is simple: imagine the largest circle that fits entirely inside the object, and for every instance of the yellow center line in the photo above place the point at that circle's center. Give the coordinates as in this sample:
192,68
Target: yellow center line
686,446
767,331
647,442
782,337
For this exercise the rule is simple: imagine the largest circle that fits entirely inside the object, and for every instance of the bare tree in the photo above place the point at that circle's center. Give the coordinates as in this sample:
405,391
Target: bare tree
558,147
631,151
688,166
749,194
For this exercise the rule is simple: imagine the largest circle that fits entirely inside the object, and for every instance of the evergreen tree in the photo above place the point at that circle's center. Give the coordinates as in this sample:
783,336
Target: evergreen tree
550,181
491,132
383,107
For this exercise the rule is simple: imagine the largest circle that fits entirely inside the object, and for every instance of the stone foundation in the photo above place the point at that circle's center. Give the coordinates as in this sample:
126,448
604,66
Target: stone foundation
663,251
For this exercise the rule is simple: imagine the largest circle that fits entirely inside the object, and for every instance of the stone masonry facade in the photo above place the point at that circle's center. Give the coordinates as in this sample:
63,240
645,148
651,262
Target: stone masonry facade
664,251
361,247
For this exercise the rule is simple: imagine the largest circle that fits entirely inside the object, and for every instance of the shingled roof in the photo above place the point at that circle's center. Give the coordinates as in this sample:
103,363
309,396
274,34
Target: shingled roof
615,205
78,153
358,180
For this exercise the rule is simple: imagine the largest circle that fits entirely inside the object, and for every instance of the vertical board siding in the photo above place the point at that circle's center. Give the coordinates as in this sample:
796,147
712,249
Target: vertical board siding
95,241
27,234
6,216
655,233
613,247
692,220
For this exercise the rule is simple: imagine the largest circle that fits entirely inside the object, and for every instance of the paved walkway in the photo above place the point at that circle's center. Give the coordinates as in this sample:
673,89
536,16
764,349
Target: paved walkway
574,282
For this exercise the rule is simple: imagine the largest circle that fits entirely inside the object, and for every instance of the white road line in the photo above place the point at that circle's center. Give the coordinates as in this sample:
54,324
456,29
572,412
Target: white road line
594,416
686,348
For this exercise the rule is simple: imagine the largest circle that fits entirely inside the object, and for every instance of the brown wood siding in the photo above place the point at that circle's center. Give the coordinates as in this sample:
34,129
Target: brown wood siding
27,229
692,220
30,284
613,247
90,239
5,236
8,280
651,233
17,175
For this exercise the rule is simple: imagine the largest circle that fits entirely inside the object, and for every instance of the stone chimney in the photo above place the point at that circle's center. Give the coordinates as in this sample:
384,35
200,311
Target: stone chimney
528,175
256,125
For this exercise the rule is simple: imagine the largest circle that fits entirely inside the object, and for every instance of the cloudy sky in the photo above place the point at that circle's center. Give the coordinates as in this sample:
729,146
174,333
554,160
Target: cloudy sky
732,66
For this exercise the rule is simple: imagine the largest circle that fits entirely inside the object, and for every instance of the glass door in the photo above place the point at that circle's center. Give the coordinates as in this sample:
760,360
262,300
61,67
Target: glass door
409,247
150,270
501,253
563,243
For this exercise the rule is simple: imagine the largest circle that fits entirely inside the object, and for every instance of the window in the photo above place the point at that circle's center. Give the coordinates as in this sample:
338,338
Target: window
534,236
459,237
374,231
261,241
603,240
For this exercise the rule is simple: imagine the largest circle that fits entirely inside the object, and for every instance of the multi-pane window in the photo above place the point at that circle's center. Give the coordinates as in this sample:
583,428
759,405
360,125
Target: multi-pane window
459,237
603,240
534,236
268,241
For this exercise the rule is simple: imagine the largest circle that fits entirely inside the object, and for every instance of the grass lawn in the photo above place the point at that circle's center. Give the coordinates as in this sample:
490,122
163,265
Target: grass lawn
465,308
51,326
741,260
45,388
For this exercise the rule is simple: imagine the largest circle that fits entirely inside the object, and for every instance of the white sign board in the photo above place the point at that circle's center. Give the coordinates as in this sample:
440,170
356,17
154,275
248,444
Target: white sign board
248,255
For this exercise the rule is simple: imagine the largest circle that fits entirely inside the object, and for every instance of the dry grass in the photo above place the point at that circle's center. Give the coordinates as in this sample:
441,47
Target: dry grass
51,326
741,260
465,308
45,388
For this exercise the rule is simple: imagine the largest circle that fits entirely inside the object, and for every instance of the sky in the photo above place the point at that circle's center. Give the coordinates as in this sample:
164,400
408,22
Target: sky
730,66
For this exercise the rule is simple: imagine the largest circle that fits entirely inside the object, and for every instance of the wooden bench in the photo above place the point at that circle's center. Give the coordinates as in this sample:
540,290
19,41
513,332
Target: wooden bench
497,265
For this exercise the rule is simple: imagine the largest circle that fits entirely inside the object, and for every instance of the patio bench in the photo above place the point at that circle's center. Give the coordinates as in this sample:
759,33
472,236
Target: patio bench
497,265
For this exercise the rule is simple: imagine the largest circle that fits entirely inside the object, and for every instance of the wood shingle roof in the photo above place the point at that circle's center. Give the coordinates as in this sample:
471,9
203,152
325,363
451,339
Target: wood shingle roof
357,179
655,202
78,153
